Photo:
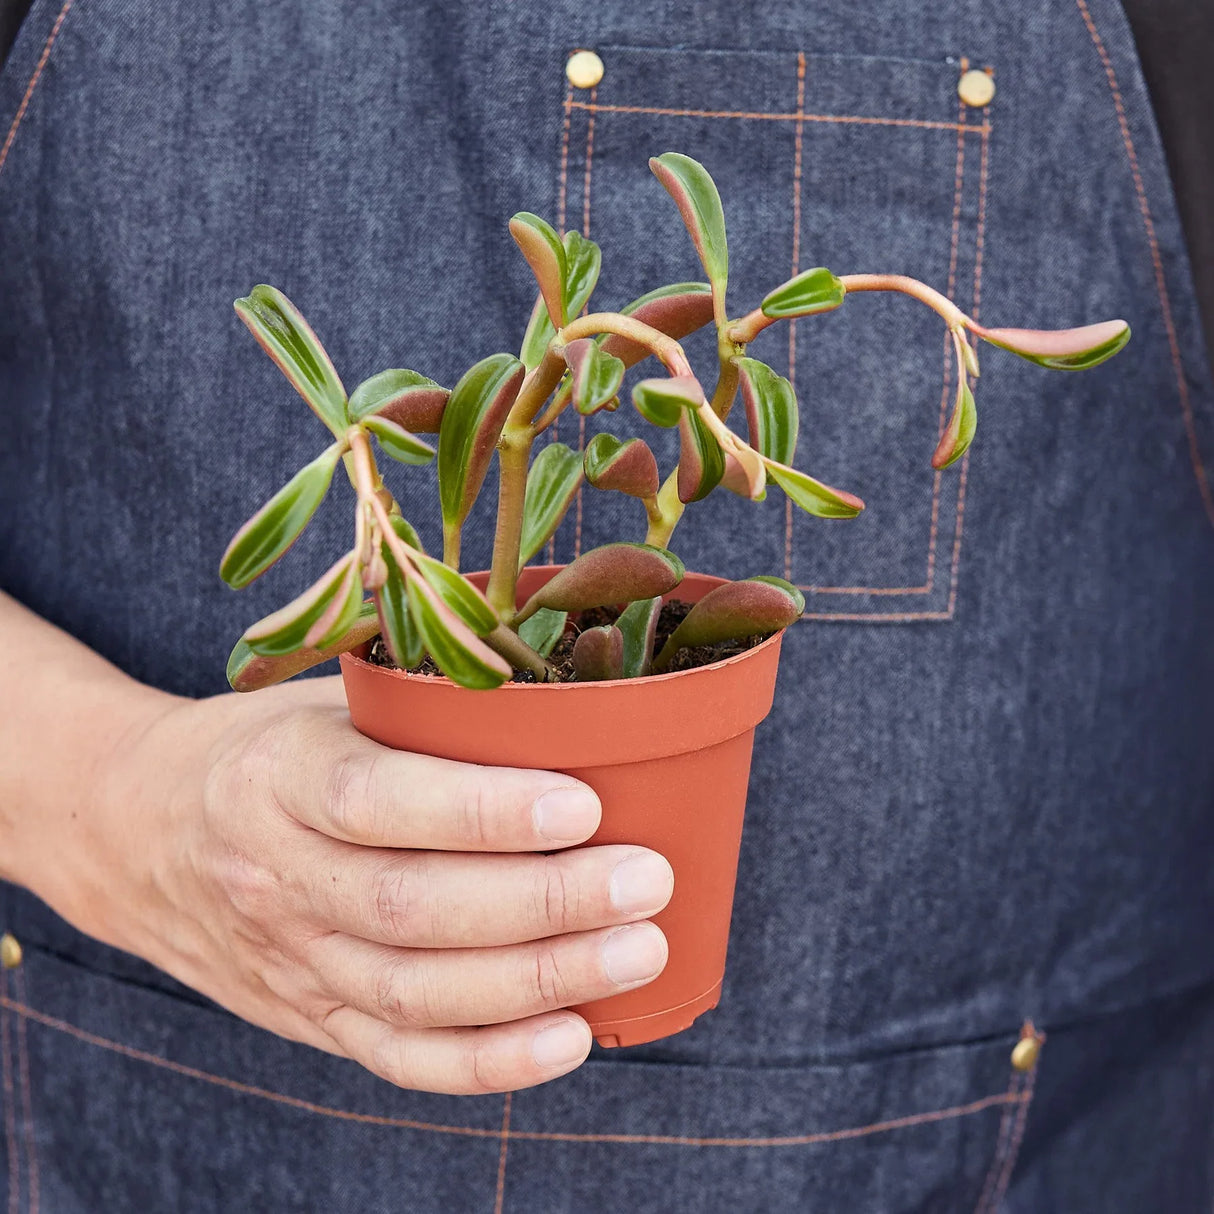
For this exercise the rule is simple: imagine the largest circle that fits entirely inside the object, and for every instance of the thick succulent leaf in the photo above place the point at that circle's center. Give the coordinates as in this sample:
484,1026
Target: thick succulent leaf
341,613
396,625
397,442
583,259
626,467
288,339
543,630
249,671
959,432
285,630
689,184
596,376
456,649
736,481
771,410
637,624
412,401
472,424
701,460
545,255
816,290
460,595
813,496
407,532
676,310
598,654
614,573
663,401
1061,349
552,484
738,609
276,526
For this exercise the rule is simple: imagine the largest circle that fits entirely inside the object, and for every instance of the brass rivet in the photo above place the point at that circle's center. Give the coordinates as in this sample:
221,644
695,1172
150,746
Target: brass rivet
10,951
1025,1053
584,69
976,88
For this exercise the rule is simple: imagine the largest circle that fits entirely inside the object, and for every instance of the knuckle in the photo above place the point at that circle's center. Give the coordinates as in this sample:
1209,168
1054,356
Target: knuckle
393,995
478,811
389,1058
398,904
485,1071
558,898
254,892
349,802
545,980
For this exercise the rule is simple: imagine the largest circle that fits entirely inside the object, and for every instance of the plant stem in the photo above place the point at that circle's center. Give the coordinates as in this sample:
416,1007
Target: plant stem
537,388
727,380
908,286
519,654
654,340
451,540
513,453
664,512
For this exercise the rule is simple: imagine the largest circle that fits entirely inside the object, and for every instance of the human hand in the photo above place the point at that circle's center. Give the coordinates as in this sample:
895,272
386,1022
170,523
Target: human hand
372,903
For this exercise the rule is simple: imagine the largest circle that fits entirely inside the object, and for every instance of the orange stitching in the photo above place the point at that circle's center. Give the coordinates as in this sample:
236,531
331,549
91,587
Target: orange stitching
33,84
581,425
878,1127
1013,1151
501,1159
845,119
1005,1125
27,1103
1161,286
796,266
10,1114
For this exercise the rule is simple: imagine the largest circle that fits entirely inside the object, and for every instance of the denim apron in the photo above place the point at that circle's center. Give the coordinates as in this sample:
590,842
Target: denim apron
984,796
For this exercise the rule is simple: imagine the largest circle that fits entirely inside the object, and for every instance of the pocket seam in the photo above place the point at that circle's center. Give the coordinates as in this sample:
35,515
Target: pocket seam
11,137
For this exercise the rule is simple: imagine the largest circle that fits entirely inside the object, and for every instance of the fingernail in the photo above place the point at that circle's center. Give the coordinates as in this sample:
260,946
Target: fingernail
560,1044
566,815
641,883
634,953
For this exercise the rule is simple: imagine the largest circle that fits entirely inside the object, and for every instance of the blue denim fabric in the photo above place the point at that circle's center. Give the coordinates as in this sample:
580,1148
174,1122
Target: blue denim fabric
985,792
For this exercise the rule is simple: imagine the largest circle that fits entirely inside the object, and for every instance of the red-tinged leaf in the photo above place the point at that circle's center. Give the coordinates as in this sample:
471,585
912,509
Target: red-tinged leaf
459,653
583,260
735,479
404,397
396,625
341,613
543,630
638,625
288,339
552,485
771,410
745,471
614,573
1061,349
959,432
754,607
701,460
694,192
663,401
276,526
286,629
472,424
676,310
596,376
598,654
397,442
811,291
545,255
626,467
460,595
813,496
249,671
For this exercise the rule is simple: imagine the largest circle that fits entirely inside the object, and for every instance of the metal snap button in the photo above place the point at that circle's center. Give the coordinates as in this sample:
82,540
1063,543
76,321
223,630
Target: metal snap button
10,951
584,69
1025,1052
976,88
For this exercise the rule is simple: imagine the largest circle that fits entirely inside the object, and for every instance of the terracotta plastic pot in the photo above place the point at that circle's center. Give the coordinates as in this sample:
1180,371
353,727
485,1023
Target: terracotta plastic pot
669,757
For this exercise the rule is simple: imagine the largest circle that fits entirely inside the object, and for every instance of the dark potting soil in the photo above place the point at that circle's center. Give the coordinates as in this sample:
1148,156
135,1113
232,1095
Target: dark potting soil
562,654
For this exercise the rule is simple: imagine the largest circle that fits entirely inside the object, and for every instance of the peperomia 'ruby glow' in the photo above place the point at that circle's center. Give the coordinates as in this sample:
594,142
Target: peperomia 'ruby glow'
387,583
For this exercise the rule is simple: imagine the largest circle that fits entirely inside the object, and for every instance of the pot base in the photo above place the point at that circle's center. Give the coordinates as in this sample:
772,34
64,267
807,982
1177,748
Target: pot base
637,1030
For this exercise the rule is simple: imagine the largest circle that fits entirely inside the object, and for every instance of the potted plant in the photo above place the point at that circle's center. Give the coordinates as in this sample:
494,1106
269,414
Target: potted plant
621,669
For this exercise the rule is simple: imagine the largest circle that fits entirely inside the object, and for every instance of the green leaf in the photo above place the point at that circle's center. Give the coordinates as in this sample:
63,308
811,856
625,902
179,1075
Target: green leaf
701,460
342,612
663,401
276,526
396,625
813,496
460,595
1061,349
596,376
545,255
614,573
249,671
771,410
637,624
811,291
543,630
407,532
552,484
676,310
286,629
627,467
583,260
410,400
598,654
288,339
959,432
398,442
471,426
456,649
694,192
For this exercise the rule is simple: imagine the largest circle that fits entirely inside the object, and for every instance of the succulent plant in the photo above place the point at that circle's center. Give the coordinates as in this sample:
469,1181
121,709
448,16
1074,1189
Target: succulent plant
569,358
